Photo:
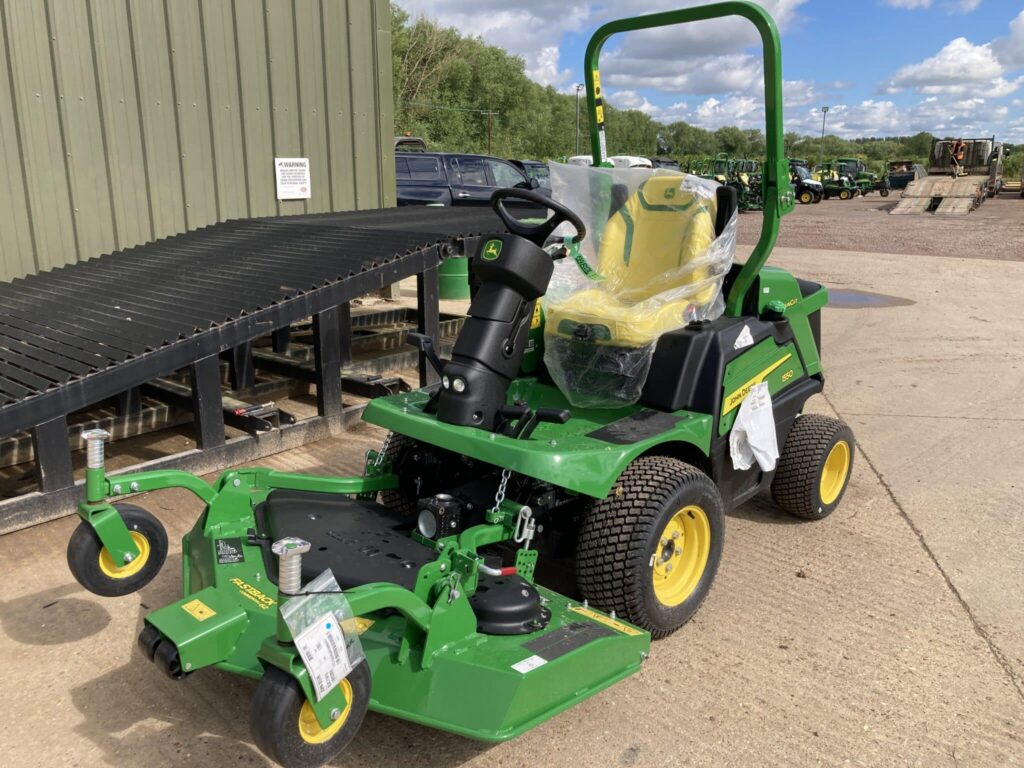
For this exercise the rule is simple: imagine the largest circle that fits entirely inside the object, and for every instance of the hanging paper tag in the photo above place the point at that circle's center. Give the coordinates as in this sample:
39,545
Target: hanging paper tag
325,632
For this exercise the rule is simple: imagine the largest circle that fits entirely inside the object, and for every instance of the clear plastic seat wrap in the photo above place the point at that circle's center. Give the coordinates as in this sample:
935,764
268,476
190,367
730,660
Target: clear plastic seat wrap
651,264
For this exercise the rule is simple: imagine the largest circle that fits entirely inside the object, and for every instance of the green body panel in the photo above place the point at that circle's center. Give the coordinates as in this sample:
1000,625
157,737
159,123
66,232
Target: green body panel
422,645
776,284
471,688
779,366
562,454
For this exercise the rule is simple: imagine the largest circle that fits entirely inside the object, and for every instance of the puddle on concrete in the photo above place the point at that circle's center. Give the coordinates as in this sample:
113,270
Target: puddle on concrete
852,299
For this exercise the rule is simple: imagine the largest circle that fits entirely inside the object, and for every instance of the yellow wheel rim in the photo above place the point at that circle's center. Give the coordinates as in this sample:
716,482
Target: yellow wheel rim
112,571
309,726
805,197
680,555
834,472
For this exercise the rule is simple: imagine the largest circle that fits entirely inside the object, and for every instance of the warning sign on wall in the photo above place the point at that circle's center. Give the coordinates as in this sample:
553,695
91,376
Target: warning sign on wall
292,175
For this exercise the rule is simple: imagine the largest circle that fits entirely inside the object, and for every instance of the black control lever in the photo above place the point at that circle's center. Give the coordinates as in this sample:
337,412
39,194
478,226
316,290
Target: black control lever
526,419
425,344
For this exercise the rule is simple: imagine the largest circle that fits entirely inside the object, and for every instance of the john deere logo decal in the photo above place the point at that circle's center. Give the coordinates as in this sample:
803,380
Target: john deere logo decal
492,250
670,193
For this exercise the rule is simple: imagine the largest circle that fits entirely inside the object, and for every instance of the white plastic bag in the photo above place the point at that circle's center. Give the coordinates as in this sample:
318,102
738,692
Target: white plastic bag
753,433
651,263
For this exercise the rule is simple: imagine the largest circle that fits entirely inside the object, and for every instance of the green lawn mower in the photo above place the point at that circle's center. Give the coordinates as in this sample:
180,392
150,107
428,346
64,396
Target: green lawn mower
865,179
412,590
836,184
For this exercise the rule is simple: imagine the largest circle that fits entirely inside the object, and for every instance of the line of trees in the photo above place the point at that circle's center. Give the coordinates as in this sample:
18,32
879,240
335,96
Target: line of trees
460,94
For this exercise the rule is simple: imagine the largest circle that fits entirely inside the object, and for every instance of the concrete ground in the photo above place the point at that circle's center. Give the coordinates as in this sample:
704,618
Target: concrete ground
891,634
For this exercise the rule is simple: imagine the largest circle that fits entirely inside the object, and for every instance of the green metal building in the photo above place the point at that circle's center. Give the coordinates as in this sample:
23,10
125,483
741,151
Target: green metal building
124,121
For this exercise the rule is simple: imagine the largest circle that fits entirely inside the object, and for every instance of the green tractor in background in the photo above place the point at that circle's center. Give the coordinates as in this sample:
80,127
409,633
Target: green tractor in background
745,175
865,179
414,589
835,183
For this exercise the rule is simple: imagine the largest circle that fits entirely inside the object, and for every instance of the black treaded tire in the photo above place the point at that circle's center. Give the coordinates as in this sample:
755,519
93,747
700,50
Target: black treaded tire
274,719
620,534
396,499
844,194
796,486
85,551
806,197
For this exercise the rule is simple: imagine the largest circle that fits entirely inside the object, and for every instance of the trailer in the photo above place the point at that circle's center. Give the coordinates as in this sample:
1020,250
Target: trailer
948,192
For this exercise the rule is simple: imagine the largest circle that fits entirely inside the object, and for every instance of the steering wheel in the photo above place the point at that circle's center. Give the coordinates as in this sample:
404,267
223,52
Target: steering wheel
535,233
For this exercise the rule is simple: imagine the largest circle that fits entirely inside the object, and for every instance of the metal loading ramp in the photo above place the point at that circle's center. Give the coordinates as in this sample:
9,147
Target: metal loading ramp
946,195
89,331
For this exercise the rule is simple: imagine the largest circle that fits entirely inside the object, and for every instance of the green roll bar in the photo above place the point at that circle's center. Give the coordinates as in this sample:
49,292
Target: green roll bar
778,200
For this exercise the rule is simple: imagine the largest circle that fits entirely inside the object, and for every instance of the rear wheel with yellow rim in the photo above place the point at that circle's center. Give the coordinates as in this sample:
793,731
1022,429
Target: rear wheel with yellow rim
94,568
650,550
814,468
286,729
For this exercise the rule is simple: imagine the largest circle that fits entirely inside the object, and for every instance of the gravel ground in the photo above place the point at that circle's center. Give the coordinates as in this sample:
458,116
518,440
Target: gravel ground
993,231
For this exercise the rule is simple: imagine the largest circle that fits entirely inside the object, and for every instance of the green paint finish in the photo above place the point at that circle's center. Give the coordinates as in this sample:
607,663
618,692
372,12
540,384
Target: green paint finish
472,688
562,454
778,196
779,366
776,284
422,646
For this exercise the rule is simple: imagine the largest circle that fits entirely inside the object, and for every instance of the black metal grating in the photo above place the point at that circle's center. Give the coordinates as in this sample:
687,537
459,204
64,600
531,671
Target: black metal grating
88,319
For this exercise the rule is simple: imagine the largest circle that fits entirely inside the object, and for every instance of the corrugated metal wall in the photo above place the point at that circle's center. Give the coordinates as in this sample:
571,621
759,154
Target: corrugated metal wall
122,121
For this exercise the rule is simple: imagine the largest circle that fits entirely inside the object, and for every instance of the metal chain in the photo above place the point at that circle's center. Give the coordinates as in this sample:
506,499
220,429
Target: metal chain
500,495
379,458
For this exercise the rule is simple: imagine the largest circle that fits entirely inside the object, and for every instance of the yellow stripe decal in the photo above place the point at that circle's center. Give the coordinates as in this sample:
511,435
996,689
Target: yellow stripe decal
734,399
608,621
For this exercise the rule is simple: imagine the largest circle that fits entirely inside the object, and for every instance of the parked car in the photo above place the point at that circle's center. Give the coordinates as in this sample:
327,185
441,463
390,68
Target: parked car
581,160
665,162
447,178
410,144
805,188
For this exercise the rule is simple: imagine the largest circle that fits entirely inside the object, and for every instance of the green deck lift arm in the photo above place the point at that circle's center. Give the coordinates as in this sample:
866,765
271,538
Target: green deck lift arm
778,198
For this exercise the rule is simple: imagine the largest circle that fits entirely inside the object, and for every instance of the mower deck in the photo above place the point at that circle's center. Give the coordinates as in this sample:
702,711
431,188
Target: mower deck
524,679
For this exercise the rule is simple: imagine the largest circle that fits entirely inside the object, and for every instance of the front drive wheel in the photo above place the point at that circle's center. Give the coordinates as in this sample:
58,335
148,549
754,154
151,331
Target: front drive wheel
285,728
814,468
94,568
844,194
806,197
651,548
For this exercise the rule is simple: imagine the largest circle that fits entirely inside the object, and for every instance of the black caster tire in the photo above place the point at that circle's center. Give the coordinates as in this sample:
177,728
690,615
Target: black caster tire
883,192
93,568
650,550
395,498
285,728
814,468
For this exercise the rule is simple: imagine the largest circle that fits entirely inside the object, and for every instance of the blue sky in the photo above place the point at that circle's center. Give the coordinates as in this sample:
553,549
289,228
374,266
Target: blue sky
885,67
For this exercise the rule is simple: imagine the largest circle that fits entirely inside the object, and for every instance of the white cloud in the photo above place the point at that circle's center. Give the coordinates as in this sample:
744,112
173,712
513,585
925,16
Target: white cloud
950,6
544,69
908,4
960,68
1010,49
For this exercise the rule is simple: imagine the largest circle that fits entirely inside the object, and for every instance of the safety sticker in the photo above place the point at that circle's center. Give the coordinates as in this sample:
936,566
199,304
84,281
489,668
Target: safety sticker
608,621
199,610
537,314
529,664
230,551
323,651
745,339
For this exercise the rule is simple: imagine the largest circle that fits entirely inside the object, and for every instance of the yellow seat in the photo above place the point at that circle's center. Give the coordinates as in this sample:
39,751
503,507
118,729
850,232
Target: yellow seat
649,247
